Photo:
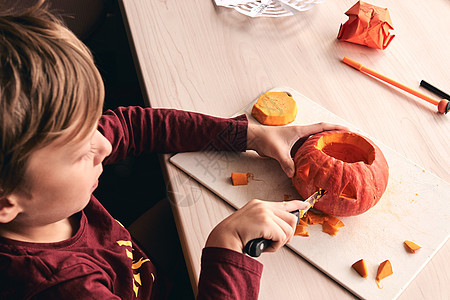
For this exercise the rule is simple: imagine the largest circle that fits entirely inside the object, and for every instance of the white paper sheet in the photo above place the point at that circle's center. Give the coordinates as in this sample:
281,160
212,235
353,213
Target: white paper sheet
268,8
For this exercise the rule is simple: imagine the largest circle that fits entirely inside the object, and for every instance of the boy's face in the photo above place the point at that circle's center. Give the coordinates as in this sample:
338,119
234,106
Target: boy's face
60,178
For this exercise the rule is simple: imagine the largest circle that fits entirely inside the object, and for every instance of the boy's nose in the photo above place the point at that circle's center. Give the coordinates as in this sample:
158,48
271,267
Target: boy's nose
104,149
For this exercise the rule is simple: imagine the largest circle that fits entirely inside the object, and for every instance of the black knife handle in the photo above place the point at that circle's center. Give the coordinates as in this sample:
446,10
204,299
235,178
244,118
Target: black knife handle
255,247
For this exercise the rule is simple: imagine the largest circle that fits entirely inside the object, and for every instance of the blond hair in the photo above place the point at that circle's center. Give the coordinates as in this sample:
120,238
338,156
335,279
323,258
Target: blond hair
49,88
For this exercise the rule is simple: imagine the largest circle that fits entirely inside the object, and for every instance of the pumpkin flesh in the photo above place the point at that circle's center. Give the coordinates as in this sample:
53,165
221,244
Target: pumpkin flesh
239,178
384,270
275,108
361,267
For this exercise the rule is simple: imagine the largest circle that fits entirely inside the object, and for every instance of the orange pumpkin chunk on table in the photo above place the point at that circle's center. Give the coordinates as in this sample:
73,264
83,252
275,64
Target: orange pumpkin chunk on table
411,246
239,178
333,221
330,224
275,108
301,228
331,230
384,270
314,218
361,267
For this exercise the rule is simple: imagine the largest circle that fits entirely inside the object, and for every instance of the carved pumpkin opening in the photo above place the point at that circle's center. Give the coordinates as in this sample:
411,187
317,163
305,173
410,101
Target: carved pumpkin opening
349,192
347,147
303,172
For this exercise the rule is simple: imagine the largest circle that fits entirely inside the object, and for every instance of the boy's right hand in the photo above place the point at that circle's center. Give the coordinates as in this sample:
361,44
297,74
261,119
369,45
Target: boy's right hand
270,220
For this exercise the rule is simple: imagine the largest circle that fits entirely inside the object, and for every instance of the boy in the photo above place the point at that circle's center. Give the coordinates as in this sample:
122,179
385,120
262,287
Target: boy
56,239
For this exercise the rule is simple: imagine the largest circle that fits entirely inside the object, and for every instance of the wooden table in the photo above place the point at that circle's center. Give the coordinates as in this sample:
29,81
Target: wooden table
195,56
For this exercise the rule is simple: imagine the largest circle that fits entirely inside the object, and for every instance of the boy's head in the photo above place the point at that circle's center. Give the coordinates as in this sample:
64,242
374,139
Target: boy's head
50,89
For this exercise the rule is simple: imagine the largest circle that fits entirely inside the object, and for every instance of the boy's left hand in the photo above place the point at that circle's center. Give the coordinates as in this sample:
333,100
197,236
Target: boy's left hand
277,141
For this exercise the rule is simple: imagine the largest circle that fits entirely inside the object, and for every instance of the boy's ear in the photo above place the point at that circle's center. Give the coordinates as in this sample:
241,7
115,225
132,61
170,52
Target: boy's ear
8,210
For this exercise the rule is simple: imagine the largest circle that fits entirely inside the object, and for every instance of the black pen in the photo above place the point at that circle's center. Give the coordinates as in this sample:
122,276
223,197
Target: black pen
434,90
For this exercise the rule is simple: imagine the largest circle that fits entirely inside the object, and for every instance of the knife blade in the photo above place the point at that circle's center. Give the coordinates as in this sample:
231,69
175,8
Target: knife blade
256,246
312,200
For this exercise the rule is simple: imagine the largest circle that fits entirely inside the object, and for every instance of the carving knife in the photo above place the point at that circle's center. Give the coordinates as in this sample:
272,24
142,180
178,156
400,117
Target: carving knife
255,247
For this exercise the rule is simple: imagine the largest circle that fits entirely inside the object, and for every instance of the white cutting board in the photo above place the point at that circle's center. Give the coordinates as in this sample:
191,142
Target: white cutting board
403,213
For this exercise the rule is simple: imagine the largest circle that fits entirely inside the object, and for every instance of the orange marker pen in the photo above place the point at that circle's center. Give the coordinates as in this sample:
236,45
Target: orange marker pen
443,105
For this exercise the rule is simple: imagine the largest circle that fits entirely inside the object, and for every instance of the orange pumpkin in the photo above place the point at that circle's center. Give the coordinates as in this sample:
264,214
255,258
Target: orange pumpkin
350,167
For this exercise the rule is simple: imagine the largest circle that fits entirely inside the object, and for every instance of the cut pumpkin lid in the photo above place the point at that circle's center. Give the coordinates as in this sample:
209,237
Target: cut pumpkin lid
275,108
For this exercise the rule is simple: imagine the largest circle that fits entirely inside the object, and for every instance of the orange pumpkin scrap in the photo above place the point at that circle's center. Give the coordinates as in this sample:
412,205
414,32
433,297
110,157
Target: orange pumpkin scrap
361,267
331,230
384,270
315,218
330,224
302,223
350,167
275,108
411,246
333,221
239,178
301,228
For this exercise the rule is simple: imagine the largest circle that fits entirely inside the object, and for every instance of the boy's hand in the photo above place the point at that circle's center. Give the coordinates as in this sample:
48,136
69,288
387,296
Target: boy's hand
270,220
277,141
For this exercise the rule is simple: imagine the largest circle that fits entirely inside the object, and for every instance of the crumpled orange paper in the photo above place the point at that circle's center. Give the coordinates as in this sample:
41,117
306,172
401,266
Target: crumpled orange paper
367,25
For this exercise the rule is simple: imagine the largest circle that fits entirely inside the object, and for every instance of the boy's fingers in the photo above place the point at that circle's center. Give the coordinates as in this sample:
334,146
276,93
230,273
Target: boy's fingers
319,127
279,239
292,205
284,230
288,166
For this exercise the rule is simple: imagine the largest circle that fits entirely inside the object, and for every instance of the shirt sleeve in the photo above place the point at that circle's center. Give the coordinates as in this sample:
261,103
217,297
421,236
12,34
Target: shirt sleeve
135,130
227,274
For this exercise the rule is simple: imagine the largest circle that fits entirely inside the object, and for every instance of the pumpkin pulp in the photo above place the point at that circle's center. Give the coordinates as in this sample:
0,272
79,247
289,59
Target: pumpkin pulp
347,147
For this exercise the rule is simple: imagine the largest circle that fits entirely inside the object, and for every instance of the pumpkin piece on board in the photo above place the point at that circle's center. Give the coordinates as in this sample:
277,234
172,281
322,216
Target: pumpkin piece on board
331,225
239,178
275,108
302,222
411,246
300,229
334,221
384,270
331,230
315,218
361,267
